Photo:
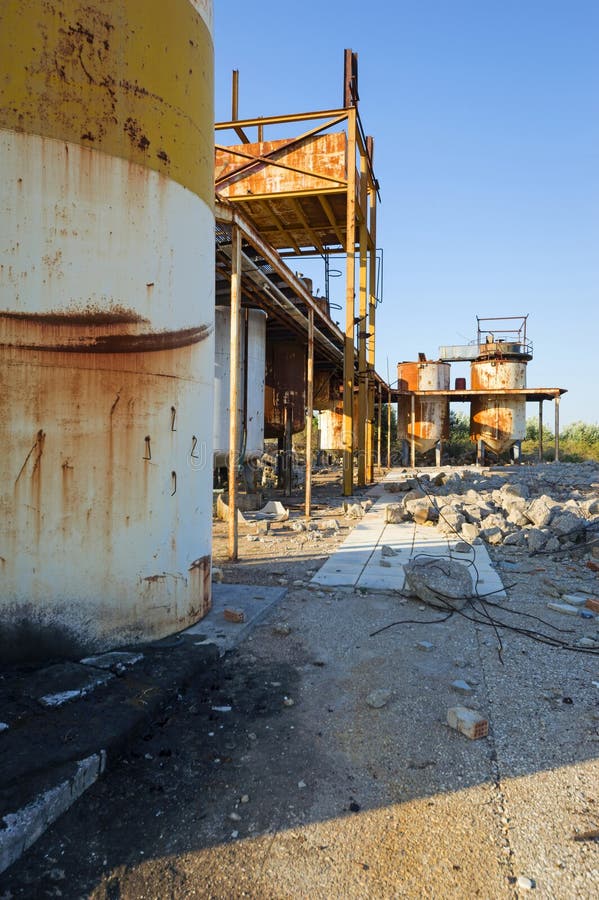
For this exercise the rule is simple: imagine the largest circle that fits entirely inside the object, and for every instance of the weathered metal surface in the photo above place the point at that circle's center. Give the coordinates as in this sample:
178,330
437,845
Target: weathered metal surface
285,389
317,162
330,423
327,388
132,79
431,415
106,321
498,421
253,337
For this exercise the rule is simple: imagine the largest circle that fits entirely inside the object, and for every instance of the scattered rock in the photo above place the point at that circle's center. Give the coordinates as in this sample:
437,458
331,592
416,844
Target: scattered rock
379,698
234,615
281,628
463,546
461,686
492,535
563,608
425,646
386,550
394,513
353,510
468,722
524,883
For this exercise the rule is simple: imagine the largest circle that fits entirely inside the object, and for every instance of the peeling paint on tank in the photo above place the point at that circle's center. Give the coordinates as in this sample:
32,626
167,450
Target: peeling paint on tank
106,314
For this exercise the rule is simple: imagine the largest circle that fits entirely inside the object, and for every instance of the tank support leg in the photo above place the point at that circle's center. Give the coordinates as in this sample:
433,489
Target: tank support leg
438,453
280,463
480,453
517,451
405,453
288,457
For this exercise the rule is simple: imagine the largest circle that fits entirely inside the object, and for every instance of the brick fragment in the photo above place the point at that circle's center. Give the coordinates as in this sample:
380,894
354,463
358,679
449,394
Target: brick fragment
592,604
234,615
468,722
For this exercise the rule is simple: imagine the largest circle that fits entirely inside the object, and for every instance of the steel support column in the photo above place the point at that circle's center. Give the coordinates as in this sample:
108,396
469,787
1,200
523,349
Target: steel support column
363,327
557,429
389,428
380,421
413,429
350,284
234,388
371,319
309,413
540,431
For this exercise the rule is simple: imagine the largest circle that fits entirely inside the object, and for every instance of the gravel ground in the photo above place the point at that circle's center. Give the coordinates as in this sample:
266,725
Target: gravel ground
304,790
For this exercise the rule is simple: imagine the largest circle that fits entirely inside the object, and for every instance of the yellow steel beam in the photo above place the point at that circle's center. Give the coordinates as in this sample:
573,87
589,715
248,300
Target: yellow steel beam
336,115
315,239
362,329
372,208
331,217
280,226
350,284
311,192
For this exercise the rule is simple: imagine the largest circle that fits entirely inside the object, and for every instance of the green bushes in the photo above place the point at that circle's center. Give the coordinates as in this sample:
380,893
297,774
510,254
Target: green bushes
577,442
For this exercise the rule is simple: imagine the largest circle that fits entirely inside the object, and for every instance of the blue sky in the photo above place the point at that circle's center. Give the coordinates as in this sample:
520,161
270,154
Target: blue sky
485,115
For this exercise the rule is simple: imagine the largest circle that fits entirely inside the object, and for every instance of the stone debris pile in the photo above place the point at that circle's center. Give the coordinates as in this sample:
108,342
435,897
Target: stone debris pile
547,508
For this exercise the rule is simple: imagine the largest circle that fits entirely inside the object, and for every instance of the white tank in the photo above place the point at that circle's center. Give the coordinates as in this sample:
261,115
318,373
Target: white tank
431,423
499,423
330,426
252,337
106,322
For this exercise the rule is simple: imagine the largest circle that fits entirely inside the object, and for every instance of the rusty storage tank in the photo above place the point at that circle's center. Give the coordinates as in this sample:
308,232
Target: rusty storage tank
285,389
106,322
330,425
498,422
251,384
431,415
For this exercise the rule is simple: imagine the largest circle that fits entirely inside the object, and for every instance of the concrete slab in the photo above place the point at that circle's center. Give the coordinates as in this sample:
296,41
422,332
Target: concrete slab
64,682
357,563
255,601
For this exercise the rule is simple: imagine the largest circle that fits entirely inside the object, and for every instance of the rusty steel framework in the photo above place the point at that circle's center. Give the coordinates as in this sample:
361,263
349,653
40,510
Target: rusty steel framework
313,192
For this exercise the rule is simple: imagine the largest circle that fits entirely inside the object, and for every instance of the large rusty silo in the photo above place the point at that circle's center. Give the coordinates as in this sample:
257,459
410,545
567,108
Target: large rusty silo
431,415
498,422
285,390
106,321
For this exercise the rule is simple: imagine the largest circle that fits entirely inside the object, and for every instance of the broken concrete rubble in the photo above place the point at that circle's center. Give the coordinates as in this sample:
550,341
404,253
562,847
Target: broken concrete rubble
542,514
441,583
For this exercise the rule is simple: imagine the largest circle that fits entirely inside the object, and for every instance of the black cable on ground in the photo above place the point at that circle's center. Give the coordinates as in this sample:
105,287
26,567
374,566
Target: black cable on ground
489,620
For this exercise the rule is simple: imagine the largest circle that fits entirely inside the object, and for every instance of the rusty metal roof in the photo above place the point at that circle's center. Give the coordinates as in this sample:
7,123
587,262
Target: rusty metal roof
293,190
